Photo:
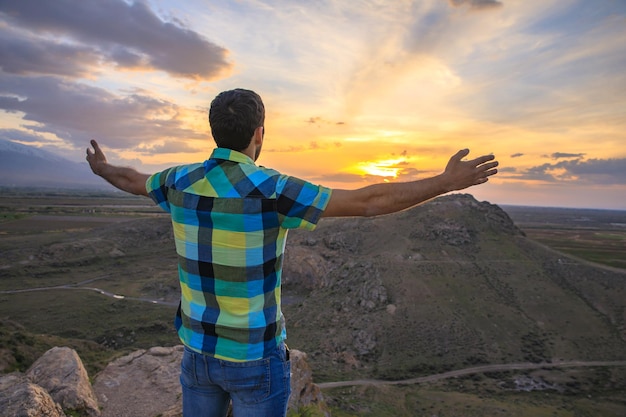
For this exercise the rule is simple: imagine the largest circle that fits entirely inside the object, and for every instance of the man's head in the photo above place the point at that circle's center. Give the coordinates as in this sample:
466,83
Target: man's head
234,116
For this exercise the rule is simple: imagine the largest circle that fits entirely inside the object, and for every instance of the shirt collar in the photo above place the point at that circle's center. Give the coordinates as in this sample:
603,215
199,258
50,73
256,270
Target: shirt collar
230,155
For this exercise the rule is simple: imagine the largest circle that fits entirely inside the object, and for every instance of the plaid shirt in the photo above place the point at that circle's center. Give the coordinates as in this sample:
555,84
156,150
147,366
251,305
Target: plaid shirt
230,220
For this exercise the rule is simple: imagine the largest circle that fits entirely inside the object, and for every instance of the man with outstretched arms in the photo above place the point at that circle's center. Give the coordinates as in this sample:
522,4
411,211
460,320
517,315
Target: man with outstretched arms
230,219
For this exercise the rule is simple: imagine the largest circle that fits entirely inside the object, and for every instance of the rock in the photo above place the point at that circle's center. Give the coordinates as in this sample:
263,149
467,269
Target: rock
304,268
62,374
21,398
364,342
144,383
451,232
304,393
116,253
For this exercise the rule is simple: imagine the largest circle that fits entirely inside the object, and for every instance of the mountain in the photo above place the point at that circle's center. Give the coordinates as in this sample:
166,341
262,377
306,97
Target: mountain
446,285
27,166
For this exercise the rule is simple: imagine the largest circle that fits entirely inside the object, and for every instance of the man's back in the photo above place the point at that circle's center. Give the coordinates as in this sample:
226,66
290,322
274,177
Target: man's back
230,220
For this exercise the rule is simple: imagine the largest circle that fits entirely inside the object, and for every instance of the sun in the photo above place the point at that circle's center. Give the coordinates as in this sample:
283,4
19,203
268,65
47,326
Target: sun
388,168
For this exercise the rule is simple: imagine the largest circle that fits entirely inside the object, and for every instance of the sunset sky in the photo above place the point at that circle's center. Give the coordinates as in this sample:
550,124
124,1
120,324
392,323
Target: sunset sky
356,91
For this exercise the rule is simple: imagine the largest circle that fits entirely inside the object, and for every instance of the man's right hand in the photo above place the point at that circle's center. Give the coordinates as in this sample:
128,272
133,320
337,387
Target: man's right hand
126,179
460,174
384,198
97,160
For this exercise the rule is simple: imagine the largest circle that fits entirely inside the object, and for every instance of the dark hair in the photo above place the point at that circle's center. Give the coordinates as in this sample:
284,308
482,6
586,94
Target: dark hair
233,116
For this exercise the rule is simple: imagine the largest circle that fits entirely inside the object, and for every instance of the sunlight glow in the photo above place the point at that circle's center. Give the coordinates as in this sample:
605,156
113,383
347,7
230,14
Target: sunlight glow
385,168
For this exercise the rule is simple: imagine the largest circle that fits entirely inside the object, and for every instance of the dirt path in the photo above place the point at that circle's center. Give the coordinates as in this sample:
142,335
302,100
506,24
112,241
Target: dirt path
470,371
81,286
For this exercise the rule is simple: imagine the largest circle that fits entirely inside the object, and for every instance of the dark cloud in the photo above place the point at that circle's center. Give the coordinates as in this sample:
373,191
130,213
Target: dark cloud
593,171
517,155
560,155
28,55
128,35
540,173
409,174
612,170
476,4
314,120
77,112
317,120
508,170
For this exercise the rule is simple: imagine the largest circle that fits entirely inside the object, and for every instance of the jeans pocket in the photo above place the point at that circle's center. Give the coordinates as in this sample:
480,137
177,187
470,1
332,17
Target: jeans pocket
188,376
249,382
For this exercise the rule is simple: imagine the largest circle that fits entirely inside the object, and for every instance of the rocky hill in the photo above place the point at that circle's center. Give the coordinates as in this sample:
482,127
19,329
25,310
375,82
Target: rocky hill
447,284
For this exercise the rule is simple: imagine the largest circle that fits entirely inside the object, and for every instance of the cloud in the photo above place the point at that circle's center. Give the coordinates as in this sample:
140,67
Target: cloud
78,112
508,170
593,171
560,155
128,35
317,120
342,177
18,135
547,69
605,171
476,4
405,174
30,55
312,146
517,155
169,146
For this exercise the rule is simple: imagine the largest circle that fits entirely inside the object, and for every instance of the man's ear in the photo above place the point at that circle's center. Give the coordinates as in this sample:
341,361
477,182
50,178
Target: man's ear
259,132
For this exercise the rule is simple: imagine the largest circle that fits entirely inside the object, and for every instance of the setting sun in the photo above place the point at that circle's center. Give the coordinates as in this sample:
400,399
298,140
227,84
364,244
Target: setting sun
385,168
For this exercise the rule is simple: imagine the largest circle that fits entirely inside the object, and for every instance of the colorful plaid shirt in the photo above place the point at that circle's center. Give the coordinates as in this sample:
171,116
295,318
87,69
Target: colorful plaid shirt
230,219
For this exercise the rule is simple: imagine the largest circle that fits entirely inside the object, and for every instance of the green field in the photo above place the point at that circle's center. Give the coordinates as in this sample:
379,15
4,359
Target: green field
597,236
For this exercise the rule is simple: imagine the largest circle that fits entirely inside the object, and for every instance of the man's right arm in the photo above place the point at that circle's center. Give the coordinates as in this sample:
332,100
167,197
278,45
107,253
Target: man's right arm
124,178
387,198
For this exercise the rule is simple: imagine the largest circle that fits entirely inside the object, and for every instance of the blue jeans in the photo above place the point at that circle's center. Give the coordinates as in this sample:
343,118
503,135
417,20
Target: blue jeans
257,388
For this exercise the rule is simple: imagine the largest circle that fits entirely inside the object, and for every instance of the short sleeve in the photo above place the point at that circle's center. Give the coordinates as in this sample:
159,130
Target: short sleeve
300,203
156,186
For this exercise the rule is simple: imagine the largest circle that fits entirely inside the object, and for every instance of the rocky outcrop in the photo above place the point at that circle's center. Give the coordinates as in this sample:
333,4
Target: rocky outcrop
62,374
304,393
144,383
21,398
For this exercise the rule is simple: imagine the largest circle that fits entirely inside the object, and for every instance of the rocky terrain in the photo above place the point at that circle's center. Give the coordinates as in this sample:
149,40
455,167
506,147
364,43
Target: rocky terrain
444,285
448,285
141,384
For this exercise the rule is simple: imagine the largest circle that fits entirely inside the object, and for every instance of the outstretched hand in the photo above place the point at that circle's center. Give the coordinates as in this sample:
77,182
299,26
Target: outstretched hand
460,174
96,159
126,179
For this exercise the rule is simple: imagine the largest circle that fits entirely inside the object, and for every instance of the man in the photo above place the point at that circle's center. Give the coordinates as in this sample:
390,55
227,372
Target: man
230,219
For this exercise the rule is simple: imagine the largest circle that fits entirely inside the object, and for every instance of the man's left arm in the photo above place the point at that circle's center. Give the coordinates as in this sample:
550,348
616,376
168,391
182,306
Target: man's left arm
125,178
